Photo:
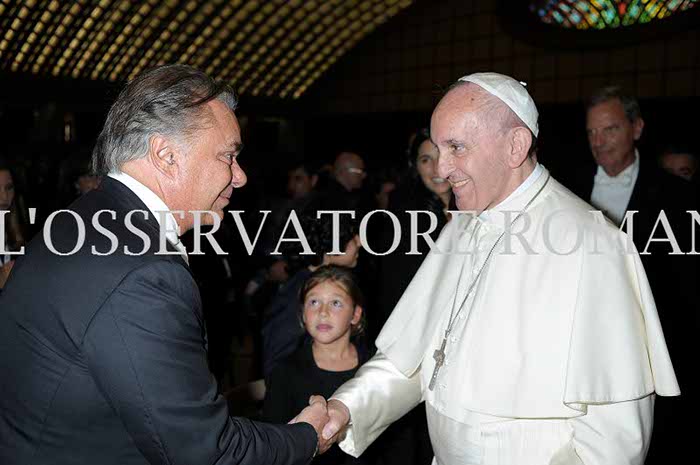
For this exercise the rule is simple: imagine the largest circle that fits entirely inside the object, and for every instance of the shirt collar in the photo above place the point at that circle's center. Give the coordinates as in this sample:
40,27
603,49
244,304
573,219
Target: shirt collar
156,205
623,179
515,201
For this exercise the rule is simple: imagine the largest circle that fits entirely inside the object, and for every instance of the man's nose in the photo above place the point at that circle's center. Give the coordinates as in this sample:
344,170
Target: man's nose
595,138
238,176
444,165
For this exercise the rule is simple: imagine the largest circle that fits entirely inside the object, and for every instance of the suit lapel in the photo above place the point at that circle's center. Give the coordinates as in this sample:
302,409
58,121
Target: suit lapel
128,201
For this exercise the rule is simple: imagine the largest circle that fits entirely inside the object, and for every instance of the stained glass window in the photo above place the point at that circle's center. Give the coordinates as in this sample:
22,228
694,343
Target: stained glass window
602,14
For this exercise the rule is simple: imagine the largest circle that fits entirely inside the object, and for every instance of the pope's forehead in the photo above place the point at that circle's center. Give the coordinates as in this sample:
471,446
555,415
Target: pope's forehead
463,100
459,108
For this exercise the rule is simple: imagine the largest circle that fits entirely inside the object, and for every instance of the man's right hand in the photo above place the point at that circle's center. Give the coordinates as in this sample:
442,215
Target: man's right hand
315,414
335,428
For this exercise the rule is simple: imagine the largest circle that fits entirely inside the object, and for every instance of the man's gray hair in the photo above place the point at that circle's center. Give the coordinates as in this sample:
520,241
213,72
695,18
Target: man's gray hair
168,100
629,103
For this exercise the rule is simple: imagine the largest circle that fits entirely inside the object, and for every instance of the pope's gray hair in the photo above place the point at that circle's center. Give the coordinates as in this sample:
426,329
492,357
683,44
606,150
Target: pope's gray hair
169,101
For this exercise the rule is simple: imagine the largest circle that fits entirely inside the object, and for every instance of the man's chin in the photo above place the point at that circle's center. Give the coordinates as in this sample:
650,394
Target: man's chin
218,212
206,218
219,206
468,206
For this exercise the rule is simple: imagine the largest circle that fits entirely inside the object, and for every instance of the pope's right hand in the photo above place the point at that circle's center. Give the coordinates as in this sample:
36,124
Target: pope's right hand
335,428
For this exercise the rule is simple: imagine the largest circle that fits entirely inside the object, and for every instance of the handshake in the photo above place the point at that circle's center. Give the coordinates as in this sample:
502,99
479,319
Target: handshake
329,419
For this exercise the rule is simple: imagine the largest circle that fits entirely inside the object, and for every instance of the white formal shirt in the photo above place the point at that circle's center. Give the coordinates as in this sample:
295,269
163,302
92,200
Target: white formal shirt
5,258
611,194
159,210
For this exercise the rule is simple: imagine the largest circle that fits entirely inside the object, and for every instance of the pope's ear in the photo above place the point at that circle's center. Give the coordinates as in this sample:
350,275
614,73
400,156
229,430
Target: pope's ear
163,154
520,142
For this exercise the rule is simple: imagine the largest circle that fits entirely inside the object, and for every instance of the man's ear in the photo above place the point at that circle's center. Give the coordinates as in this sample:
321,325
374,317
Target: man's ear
638,126
520,142
163,154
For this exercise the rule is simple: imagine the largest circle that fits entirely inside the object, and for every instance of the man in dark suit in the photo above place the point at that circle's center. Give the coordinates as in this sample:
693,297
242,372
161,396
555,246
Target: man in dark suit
102,346
620,186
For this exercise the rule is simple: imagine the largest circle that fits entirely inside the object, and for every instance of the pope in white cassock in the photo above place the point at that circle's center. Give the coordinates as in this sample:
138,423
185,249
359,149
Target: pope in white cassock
532,337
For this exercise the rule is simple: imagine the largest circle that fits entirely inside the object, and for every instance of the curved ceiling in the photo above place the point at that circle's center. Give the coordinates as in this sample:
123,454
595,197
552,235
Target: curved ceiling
273,48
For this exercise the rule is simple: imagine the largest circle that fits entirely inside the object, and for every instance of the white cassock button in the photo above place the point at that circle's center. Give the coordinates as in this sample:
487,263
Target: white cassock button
454,339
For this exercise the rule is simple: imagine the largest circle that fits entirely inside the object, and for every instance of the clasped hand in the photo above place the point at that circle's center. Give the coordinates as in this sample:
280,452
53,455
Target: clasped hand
329,419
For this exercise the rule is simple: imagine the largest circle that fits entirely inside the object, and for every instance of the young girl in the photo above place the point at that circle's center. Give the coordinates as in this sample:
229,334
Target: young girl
331,312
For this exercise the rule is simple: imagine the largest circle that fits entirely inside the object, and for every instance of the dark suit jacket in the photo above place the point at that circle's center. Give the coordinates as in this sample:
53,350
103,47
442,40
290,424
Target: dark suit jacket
654,190
103,359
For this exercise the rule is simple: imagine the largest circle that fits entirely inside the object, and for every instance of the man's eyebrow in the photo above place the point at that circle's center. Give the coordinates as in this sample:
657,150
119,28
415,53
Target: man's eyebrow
235,146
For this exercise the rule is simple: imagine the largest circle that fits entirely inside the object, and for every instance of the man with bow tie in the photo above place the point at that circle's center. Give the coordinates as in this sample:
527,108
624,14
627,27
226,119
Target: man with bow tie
622,183
633,193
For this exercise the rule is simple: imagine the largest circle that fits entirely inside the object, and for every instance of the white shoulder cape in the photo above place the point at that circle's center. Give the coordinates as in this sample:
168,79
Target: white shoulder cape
548,333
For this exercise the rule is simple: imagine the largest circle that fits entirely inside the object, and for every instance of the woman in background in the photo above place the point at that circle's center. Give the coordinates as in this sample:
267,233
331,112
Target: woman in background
422,190
14,237
407,441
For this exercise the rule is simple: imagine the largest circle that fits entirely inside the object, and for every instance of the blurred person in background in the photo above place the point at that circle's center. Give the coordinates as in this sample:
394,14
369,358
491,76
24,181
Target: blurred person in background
343,189
407,441
625,183
86,182
14,221
679,160
421,190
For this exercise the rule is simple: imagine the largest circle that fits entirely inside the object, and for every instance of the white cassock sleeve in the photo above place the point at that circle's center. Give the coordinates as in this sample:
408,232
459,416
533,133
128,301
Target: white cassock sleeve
378,395
612,434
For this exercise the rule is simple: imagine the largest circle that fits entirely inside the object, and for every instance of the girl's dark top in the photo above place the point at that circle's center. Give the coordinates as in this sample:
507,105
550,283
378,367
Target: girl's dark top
296,379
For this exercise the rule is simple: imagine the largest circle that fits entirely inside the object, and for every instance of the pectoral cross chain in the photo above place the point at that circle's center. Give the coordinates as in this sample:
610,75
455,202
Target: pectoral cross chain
439,356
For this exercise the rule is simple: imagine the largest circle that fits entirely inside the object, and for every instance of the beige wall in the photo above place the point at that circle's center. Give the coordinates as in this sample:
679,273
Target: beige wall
405,65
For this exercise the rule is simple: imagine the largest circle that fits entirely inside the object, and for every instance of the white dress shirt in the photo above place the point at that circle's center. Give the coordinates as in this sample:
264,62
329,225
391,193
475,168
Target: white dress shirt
6,257
611,194
158,208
